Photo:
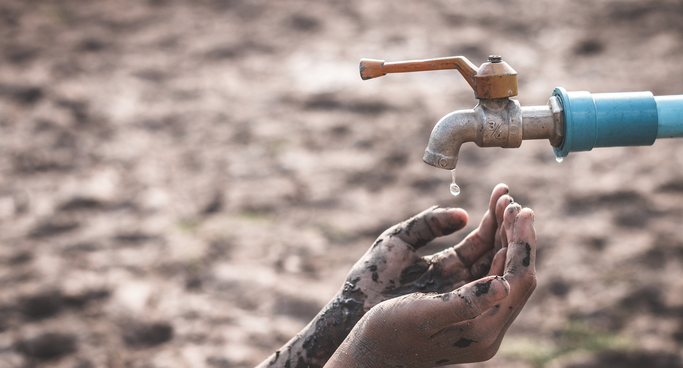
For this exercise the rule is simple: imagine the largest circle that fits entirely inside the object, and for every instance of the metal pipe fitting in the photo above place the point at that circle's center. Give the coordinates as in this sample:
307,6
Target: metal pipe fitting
500,122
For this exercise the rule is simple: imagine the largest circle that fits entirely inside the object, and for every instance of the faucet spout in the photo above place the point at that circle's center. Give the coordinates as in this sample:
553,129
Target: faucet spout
447,136
499,122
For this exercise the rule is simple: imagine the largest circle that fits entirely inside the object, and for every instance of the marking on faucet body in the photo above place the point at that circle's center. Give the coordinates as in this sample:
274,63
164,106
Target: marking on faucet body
497,129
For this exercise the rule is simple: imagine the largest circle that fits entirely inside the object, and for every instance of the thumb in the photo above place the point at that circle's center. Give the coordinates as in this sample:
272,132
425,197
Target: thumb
473,299
429,225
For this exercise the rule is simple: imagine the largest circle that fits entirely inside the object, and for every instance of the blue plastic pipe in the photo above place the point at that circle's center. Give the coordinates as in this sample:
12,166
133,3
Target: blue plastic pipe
617,119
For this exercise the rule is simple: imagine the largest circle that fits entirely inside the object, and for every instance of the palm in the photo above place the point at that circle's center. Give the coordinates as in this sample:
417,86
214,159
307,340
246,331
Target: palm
392,268
459,326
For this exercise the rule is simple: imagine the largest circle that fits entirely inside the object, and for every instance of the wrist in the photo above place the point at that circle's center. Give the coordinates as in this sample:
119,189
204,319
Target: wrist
316,343
359,350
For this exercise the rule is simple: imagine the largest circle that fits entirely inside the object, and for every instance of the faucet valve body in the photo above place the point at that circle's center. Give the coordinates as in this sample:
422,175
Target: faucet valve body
502,123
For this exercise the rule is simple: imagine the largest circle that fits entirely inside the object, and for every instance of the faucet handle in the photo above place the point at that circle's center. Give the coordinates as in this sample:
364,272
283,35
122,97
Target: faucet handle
493,79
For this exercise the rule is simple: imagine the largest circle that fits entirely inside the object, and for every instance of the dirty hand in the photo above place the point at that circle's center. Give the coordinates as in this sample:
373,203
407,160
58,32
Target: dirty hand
460,326
391,268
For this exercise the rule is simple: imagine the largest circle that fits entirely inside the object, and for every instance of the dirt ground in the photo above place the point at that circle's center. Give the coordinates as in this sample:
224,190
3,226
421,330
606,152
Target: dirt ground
186,183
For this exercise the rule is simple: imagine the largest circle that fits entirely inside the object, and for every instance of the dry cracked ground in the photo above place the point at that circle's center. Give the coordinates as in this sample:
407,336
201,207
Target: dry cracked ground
186,183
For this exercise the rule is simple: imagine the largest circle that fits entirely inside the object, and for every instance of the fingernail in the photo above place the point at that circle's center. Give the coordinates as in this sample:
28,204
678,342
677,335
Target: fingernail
492,290
497,291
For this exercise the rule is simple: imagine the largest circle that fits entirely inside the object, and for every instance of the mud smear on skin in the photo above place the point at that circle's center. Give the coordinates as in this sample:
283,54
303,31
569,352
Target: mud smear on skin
527,260
482,287
414,271
410,226
333,325
375,276
494,310
463,343
421,277
453,227
480,269
275,358
420,242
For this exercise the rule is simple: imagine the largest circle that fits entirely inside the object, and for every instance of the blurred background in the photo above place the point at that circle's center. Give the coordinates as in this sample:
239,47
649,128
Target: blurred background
186,183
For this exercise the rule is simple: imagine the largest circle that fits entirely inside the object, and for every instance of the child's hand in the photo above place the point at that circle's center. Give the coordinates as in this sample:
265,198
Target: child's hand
391,268
460,326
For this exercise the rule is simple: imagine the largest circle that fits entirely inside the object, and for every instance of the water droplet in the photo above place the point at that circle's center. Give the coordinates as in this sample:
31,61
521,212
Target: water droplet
559,159
455,189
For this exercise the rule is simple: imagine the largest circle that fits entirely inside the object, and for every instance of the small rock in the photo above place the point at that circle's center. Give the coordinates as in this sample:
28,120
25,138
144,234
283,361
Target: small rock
81,203
147,335
20,258
48,346
42,305
559,287
47,229
81,300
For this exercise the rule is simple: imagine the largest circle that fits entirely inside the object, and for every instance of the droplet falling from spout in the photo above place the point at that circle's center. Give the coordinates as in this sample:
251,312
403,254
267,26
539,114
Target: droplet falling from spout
559,159
455,189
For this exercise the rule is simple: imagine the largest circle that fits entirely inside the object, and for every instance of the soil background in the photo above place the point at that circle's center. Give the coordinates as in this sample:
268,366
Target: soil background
186,183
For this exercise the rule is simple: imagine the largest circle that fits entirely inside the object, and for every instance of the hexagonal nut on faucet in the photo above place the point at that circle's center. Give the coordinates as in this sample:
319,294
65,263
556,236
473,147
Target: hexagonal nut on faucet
558,121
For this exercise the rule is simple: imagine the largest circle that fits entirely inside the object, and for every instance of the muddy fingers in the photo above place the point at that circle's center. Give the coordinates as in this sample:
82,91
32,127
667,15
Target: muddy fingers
461,326
429,225
421,330
498,192
501,205
471,300
521,256
498,264
481,240
509,216
391,313
472,258
482,266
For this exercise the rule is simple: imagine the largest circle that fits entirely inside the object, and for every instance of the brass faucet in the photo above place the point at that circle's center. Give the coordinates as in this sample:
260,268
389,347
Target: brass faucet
496,121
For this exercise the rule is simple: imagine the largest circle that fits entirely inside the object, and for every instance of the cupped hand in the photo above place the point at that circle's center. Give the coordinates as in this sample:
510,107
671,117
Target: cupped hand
459,326
392,267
